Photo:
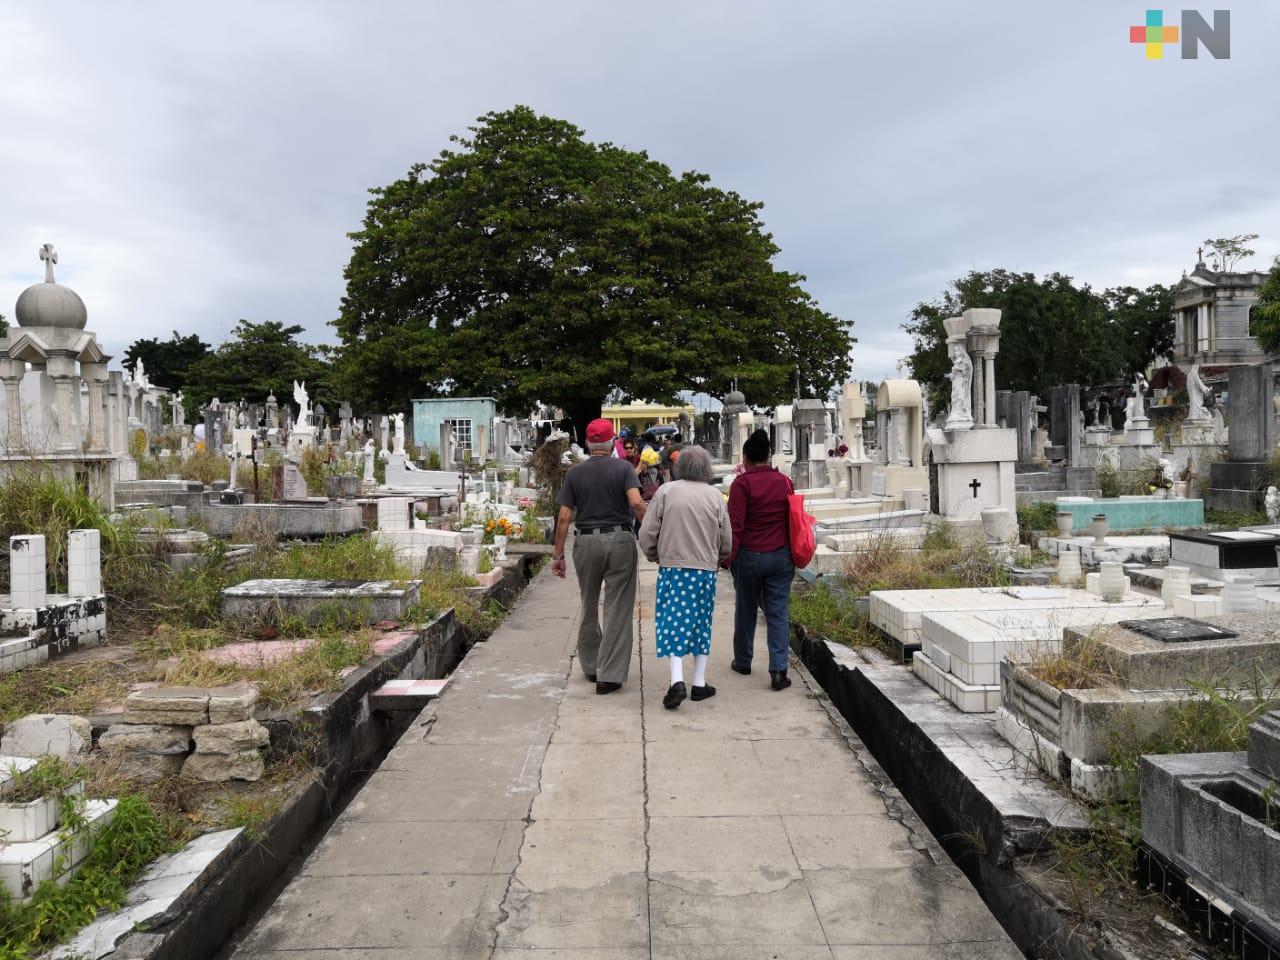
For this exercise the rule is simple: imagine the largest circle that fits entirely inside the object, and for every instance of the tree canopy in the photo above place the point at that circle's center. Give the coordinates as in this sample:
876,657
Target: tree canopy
167,361
1226,252
1051,331
1264,318
533,265
260,358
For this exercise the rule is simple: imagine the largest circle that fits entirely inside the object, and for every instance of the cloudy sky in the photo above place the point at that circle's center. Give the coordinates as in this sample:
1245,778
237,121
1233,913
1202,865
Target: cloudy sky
195,164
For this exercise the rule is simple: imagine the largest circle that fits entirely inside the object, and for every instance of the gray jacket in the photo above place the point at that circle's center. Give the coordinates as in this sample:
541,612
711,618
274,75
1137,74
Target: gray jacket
687,525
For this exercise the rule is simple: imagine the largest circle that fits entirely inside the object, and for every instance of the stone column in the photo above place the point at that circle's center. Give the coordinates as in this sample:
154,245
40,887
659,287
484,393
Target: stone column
62,371
12,372
989,408
979,388
95,374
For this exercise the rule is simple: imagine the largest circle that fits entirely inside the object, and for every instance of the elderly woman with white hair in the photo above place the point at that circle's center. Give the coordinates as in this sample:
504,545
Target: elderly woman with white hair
686,530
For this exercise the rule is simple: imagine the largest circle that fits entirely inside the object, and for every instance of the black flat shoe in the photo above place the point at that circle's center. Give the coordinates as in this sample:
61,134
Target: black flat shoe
603,687
779,680
591,678
736,667
675,696
702,693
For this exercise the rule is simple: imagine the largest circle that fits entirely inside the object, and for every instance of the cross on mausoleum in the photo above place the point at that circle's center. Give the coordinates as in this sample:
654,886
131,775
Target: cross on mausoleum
974,485
50,257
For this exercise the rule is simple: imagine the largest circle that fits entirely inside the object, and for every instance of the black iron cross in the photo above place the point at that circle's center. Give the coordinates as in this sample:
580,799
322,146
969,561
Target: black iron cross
974,487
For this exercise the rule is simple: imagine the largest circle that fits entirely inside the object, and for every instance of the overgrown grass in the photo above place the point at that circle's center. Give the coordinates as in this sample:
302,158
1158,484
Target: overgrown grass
1081,668
120,850
829,612
1218,517
203,465
943,561
1036,518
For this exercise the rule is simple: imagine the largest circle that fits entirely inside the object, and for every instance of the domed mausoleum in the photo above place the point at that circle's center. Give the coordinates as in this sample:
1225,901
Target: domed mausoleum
57,409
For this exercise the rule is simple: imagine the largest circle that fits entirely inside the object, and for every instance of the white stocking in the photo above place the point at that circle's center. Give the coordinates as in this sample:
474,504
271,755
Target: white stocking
677,669
700,670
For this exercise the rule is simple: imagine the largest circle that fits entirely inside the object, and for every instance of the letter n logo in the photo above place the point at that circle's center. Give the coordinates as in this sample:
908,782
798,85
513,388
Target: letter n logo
1216,39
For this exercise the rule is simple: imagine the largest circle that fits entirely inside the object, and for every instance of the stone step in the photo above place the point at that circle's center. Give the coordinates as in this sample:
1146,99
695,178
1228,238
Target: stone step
19,652
1040,481
406,694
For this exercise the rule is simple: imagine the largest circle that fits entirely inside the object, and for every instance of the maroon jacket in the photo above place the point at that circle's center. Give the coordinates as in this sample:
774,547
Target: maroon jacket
758,510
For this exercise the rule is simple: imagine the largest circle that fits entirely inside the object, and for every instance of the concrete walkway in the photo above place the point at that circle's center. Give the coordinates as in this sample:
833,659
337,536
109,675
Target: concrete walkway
523,817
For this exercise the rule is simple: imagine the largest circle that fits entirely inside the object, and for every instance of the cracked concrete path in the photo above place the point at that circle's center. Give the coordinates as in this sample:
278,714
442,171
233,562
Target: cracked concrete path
522,817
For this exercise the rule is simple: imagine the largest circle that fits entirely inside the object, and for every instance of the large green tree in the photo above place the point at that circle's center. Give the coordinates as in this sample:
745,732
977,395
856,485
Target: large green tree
533,265
1051,331
1264,318
167,361
260,358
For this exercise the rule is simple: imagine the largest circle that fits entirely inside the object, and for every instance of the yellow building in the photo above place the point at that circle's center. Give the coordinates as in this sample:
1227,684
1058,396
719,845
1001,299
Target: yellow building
639,416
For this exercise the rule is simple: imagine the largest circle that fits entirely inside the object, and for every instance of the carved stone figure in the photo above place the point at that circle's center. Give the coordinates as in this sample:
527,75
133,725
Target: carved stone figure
1196,391
961,376
1139,389
303,401
1272,504
399,436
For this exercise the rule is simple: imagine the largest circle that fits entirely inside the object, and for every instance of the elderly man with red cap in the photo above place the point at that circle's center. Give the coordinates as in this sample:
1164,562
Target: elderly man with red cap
604,493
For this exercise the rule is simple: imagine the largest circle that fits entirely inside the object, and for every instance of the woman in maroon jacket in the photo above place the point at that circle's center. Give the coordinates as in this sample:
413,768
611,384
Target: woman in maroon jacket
761,560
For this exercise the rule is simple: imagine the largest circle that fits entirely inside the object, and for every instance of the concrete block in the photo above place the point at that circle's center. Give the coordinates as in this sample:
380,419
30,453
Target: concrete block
220,767
27,581
84,563
229,704
1264,746
188,706
240,736
145,739
62,735
24,866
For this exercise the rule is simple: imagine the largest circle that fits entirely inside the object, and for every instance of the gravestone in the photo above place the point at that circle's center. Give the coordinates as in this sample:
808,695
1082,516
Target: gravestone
1022,420
1064,423
287,483
1238,482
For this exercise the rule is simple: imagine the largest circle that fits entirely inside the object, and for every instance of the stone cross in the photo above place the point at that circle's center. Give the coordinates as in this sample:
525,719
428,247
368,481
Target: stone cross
50,257
974,484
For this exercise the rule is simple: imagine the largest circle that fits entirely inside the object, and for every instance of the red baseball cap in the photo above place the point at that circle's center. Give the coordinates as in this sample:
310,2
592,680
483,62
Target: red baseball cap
599,431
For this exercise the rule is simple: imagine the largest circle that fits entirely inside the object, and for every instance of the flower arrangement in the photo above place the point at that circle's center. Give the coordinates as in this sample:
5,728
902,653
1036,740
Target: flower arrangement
497,527
525,503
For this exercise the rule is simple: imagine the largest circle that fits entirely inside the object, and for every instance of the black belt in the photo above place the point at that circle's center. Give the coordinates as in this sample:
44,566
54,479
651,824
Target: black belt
590,530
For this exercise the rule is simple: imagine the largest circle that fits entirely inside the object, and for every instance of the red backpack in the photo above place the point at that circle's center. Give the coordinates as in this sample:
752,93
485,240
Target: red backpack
800,525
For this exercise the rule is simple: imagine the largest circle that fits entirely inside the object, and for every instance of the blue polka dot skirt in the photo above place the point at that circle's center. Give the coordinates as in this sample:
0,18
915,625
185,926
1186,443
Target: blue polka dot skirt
686,599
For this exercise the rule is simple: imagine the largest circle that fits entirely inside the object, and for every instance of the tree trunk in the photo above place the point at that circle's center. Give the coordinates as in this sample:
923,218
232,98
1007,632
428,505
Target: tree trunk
582,412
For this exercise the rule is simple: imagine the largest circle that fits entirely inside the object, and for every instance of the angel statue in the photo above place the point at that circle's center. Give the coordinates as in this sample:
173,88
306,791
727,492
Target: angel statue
303,401
1272,504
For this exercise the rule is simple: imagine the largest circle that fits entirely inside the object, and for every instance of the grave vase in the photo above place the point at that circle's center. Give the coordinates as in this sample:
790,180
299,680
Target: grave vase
1180,489
332,487
1240,595
1099,529
471,536
1066,520
500,547
1069,572
1176,583
1112,582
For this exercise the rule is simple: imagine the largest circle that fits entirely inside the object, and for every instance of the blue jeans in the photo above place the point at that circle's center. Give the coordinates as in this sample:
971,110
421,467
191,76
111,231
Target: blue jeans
764,576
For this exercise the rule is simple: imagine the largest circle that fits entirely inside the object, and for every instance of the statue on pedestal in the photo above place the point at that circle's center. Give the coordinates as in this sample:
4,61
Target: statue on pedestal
1139,389
961,376
303,401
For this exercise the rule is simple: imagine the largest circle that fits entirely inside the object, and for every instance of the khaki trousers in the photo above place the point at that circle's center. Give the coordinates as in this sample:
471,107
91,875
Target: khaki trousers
607,559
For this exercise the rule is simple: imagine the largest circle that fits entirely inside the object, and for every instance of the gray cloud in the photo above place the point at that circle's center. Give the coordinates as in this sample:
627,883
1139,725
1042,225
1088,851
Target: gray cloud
196,165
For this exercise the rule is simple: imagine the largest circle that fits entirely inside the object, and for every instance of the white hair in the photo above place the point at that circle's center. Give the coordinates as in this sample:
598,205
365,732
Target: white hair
603,447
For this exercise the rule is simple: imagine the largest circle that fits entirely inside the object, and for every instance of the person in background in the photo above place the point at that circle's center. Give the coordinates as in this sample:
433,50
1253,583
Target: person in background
670,453
601,495
686,531
761,559
197,434
630,453
649,473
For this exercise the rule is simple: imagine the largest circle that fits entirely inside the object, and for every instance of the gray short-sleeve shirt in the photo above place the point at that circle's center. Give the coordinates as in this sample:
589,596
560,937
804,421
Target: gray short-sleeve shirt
597,489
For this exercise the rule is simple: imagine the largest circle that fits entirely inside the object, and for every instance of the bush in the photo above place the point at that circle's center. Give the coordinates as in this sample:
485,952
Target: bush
943,561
